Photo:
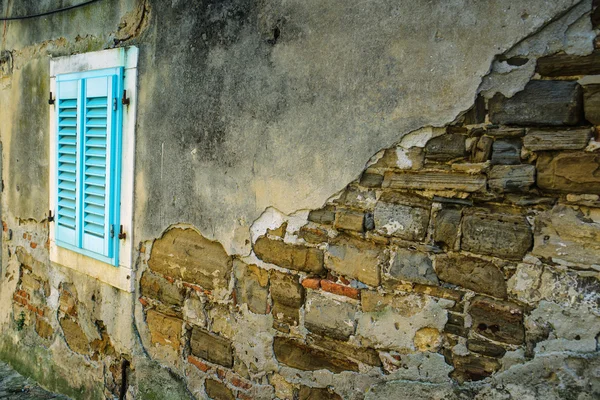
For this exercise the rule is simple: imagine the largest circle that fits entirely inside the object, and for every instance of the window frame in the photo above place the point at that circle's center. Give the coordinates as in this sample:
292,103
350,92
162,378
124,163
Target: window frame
116,271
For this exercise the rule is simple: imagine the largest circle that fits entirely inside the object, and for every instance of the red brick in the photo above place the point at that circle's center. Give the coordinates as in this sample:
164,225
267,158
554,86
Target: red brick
196,288
235,381
221,373
24,236
23,294
143,301
342,290
4,226
198,364
244,396
312,283
33,245
20,300
29,236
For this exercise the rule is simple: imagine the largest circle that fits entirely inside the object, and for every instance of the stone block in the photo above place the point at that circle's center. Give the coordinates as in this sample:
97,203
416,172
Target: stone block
482,150
471,273
67,302
569,64
371,180
185,254
363,354
329,317
564,234
504,132
486,348
286,289
427,339
349,220
556,139
158,288
288,296
572,172
279,231
74,336
548,103
446,226
212,348
403,216
310,393
433,180
446,147
440,292
511,178
506,151
500,235
30,282
313,235
412,266
285,316
473,367
591,103
290,256
497,320
356,259
43,329
322,216
164,330
251,286
298,355
217,390
357,198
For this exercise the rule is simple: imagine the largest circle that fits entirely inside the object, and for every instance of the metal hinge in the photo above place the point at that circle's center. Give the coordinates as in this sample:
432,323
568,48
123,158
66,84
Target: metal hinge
125,99
122,235
115,104
50,99
112,231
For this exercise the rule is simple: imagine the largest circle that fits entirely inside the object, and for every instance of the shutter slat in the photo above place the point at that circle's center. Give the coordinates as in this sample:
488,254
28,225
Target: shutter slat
66,214
96,165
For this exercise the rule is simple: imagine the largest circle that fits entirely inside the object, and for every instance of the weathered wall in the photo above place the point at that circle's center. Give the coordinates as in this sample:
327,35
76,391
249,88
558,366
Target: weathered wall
278,103
462,253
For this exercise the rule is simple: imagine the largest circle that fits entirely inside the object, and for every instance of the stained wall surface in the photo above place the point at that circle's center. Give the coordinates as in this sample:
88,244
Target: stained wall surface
332,200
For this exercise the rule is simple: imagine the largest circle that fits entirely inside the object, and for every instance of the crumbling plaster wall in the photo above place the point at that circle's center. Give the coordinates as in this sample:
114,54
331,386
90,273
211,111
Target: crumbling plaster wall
243,106
246,105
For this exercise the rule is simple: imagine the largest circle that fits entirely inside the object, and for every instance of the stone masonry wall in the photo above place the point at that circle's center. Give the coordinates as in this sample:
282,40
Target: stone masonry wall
463,263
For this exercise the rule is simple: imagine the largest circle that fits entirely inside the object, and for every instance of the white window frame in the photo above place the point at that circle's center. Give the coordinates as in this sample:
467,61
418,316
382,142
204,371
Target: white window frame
121,276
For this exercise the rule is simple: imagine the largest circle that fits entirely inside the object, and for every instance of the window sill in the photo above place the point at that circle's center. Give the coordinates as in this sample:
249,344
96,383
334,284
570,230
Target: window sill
119,277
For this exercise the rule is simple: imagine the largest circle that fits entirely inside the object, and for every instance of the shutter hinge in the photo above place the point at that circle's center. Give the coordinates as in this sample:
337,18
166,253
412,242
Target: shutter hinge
122,235
125,99
112,231
50,99
50,216
115,104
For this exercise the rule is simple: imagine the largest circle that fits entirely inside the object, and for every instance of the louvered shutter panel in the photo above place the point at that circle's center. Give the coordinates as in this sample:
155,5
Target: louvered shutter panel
96,202
67,160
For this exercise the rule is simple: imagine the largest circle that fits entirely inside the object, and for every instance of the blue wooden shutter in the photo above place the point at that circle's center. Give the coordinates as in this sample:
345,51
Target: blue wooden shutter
97,172
67,162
